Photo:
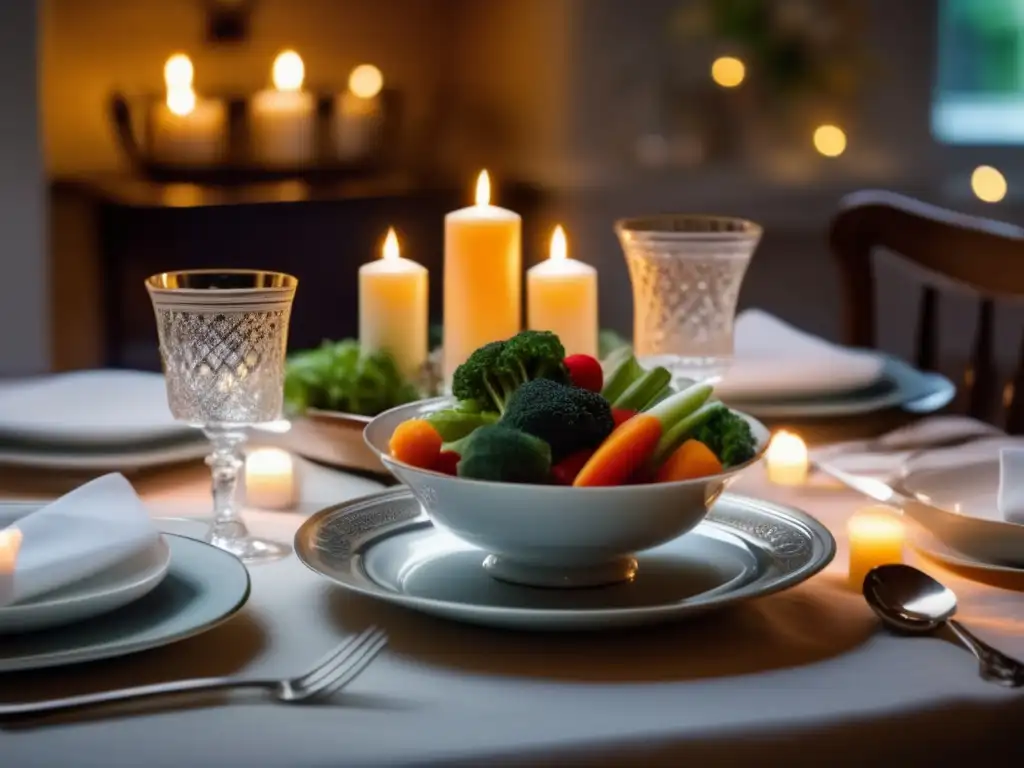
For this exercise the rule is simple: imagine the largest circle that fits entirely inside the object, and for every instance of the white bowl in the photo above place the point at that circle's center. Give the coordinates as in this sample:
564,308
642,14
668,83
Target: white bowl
549,535
954,492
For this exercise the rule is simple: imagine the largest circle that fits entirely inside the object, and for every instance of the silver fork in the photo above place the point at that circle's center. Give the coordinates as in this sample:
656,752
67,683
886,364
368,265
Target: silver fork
330,674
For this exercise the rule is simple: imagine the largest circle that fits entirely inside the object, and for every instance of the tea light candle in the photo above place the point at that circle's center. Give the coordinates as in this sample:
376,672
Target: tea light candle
786,459
483,265
10,545
357,113
562,298
270,479
284,119
187,130
393,308
876,538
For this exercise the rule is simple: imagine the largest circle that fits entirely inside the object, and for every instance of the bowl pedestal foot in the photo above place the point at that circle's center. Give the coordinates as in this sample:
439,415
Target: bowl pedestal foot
561,577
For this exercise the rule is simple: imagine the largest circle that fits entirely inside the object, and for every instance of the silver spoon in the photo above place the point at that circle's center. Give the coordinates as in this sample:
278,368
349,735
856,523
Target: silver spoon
911,601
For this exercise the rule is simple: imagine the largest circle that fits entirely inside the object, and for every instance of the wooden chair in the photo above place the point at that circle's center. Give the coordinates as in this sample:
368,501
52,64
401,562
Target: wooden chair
986,257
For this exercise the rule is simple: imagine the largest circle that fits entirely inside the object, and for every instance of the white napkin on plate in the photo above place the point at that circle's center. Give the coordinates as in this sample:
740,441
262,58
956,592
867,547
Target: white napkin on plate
883,457
77,536
1011,485
774,360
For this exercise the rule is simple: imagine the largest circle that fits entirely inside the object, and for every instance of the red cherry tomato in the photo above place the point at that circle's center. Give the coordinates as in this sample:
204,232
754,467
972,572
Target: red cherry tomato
565,471
585,372
622,414
447,463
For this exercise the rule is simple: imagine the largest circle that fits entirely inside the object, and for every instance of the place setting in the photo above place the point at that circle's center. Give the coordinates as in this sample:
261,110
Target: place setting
540,485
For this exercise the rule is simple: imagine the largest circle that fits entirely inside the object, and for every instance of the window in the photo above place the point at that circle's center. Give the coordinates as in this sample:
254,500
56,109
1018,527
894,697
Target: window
979,93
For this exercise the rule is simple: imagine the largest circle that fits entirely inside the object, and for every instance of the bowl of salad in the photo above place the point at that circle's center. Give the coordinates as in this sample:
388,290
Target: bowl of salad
331,394
559,468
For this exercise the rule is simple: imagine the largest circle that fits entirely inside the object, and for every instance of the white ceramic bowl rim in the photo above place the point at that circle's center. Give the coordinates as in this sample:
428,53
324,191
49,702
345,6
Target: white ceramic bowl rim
387,459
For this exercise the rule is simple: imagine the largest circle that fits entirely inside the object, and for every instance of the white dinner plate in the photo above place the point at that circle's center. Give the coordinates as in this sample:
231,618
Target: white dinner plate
100,407
103,459
900,386
102,593
382,546
204,587
924,542
954,494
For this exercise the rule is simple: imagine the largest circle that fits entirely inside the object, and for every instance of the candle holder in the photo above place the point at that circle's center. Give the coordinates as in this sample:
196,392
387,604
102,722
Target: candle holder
135,120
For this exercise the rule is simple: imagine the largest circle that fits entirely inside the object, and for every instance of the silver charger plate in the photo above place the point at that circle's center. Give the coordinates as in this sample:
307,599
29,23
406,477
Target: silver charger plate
203,587
900,386
383,546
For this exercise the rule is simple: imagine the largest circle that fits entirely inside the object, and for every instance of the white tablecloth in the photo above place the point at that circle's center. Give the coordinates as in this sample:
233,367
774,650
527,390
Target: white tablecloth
806,677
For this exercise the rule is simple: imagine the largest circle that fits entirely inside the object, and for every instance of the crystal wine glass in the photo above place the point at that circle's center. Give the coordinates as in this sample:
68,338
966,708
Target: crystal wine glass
223,338
686,272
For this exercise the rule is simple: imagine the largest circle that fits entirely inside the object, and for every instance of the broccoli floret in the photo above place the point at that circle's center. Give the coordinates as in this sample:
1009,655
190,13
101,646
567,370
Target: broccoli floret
729,437
479,377
535,355
504,455
567,418
495,371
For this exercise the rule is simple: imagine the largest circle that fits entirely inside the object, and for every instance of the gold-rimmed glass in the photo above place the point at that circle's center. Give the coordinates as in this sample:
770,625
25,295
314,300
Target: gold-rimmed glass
223,340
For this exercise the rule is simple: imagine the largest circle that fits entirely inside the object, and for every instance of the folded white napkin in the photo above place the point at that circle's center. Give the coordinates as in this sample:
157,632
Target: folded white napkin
882,458
773,360
1011,485
77,536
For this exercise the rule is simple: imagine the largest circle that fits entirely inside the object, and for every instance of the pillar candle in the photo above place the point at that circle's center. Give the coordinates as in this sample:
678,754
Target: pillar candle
283,120
186,129
482,277
357,114
393,308
875,538
561,296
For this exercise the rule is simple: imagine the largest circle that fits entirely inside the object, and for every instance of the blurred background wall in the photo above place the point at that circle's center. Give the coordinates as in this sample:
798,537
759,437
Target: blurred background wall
24,283
606,106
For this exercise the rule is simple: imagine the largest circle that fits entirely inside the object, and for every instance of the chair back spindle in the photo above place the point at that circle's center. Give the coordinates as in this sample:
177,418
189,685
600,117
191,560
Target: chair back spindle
986,257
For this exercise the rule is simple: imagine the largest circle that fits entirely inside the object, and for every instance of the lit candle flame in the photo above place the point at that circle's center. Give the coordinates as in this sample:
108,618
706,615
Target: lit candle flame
365,81
10,545
559,248
390,250
289,71
181,101
483,189
178,72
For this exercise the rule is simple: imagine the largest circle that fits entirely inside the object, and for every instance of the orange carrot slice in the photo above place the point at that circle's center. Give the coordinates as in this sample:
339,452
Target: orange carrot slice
417,443
622,453
690,460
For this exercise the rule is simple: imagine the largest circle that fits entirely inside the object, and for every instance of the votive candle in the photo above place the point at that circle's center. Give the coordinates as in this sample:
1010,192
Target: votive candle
270,479
786,459
876,537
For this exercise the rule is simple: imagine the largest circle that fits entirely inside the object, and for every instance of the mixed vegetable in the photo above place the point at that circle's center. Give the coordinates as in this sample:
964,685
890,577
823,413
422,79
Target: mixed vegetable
527,413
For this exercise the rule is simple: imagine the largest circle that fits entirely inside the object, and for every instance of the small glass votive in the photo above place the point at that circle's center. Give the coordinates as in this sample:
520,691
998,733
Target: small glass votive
875,538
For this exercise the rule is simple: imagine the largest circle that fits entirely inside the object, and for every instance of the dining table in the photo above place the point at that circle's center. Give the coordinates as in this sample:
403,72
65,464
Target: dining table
807,676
